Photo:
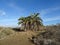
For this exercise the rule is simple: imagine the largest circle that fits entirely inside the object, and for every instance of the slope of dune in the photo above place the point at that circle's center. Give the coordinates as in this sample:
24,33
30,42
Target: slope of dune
18,38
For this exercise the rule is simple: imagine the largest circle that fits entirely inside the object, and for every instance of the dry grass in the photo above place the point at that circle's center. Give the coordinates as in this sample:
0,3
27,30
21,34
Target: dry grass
19,38
5,32
51,36
16,38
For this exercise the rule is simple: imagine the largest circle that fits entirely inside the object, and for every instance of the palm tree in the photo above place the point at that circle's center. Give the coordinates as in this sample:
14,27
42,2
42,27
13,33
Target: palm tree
22,21
32,22
35,21
38,21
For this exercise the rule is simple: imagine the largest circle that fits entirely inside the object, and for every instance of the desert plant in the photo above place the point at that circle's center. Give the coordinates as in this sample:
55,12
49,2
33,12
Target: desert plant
50,37
32,22
5,32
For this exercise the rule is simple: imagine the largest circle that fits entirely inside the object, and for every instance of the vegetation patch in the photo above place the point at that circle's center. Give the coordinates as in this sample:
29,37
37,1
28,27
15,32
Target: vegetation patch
50,37
5,32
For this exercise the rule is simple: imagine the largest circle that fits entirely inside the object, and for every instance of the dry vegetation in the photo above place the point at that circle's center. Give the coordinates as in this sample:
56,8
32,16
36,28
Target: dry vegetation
5,32
50,37
17,38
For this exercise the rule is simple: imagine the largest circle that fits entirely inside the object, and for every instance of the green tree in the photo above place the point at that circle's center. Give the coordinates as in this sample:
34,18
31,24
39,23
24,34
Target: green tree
32,22
36,21
22,21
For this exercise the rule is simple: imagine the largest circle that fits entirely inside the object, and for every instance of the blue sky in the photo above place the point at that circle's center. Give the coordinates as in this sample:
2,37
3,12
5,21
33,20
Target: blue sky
11,10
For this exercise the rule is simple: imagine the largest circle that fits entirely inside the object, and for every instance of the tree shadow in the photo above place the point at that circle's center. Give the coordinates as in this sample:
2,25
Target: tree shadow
18,30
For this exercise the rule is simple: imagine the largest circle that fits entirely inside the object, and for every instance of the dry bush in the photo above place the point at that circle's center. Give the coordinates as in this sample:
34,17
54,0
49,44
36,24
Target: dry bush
50,37
5,32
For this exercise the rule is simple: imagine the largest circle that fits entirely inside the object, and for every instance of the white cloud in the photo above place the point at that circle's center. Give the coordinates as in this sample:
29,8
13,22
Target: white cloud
14,5
49,10
8,20
52,19
2,13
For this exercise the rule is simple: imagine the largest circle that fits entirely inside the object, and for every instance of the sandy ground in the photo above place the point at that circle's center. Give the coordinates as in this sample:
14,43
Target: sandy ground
18,38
